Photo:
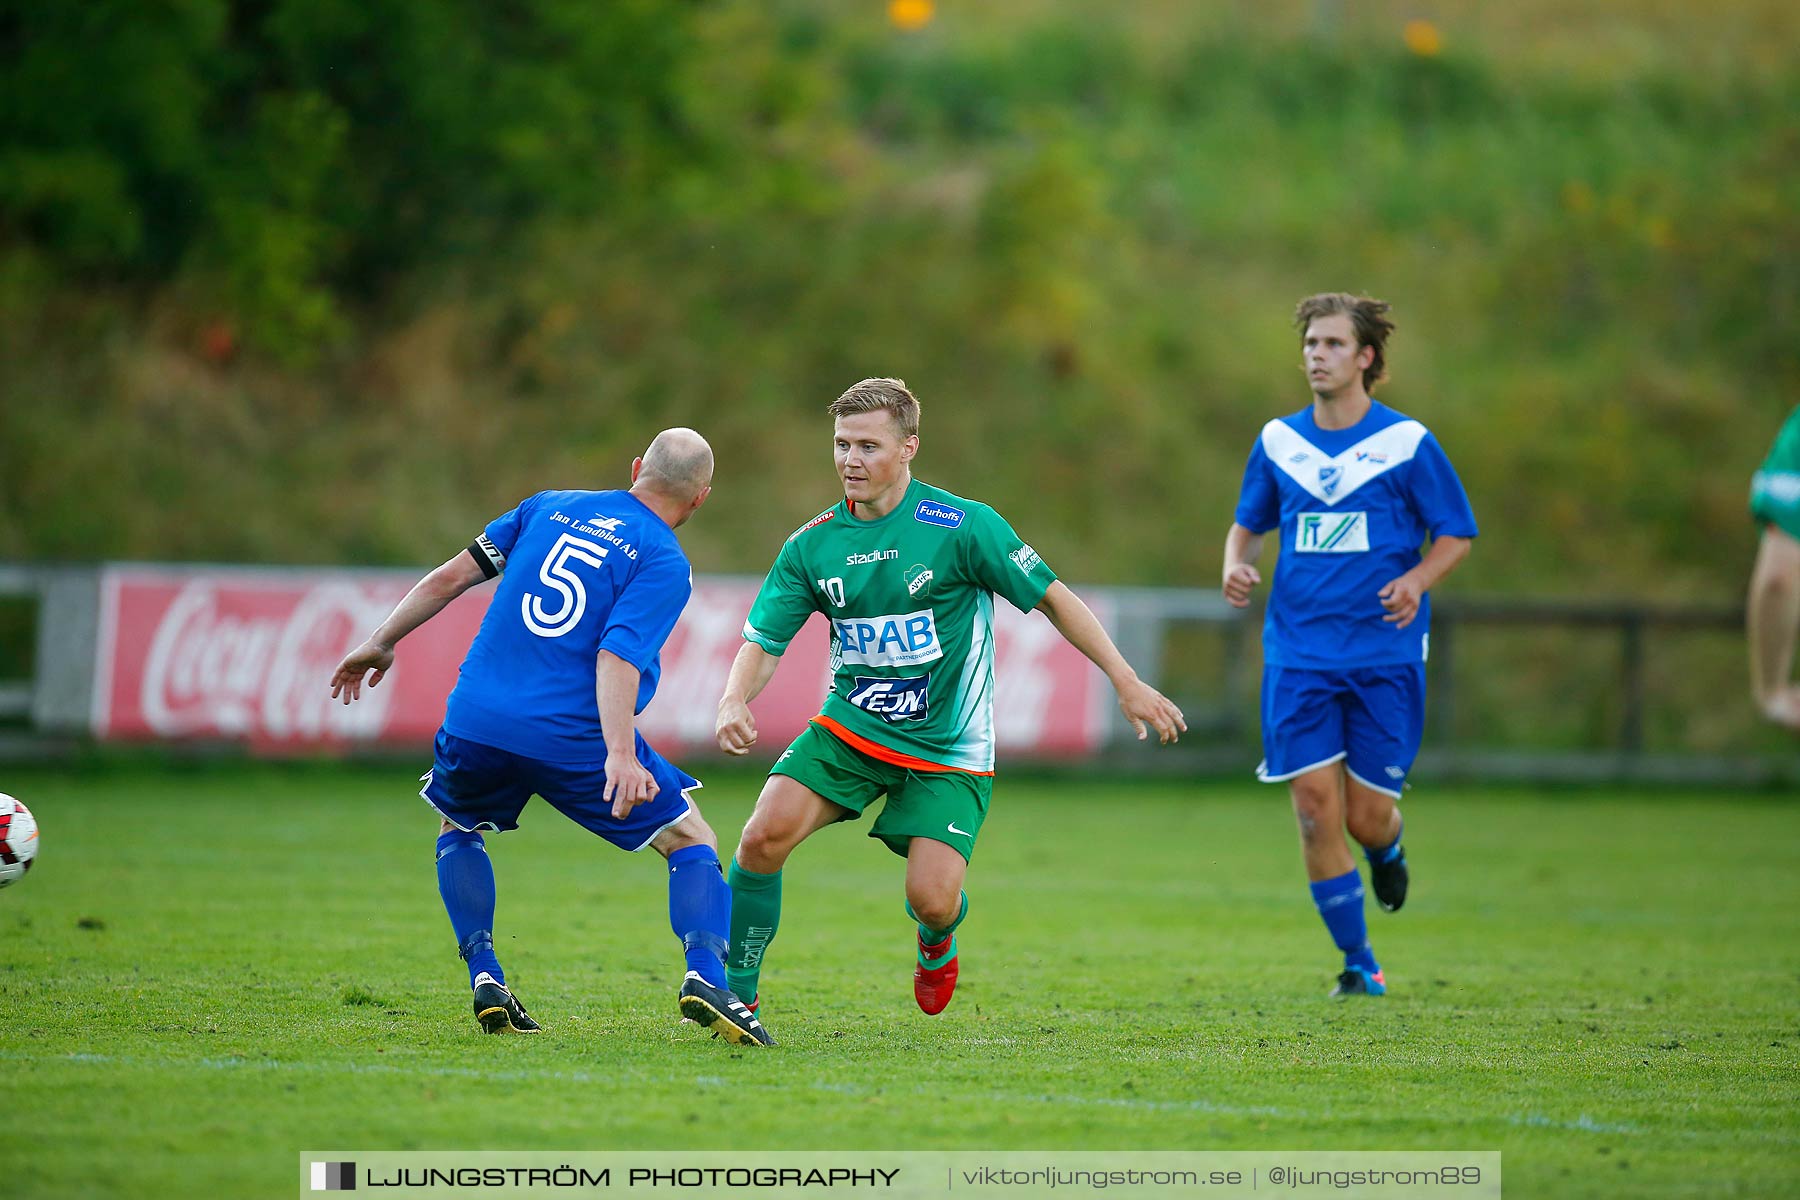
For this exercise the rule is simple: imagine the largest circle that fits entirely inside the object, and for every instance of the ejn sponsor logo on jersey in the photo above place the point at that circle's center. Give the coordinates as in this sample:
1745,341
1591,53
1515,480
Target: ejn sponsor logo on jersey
907,698
874,556
1331,533
893,640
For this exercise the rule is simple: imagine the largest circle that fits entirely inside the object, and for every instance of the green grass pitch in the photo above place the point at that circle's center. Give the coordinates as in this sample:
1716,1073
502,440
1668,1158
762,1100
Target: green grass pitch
213,968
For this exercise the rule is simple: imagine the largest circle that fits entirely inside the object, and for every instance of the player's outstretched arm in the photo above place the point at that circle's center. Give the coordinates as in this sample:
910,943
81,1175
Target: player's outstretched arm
1401,596
751,671
1140,702
425,601
1771,617
1239,574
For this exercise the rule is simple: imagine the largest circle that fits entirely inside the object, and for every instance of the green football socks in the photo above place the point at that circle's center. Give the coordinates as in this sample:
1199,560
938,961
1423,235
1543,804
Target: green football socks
755,914
935,937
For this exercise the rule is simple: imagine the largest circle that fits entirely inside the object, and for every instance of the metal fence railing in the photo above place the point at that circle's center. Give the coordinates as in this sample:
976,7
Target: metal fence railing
1520,688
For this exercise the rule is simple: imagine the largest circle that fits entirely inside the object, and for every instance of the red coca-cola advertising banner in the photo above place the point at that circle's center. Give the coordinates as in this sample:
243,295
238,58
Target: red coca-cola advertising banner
246,655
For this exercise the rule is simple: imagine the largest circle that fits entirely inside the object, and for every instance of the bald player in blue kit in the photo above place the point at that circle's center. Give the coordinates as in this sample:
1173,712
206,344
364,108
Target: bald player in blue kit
591,584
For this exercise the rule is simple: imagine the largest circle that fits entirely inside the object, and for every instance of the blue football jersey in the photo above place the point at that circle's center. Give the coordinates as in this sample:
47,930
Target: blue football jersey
1353,505
580,572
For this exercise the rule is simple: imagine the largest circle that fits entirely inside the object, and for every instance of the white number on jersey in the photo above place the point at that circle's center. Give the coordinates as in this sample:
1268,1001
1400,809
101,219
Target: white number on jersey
565,583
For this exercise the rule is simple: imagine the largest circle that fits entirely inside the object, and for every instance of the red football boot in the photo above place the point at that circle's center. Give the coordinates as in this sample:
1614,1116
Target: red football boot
934,978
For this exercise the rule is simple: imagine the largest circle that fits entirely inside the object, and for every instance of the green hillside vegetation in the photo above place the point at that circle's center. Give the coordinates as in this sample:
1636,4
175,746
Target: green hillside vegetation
335,281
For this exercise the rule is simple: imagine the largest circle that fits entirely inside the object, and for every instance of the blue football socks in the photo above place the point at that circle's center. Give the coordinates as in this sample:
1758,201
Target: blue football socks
1387,853
1340,904
700,910
466,882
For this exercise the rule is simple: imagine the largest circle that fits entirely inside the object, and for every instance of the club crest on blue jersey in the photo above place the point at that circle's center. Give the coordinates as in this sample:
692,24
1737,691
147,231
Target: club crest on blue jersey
933,513
907,698
1329,477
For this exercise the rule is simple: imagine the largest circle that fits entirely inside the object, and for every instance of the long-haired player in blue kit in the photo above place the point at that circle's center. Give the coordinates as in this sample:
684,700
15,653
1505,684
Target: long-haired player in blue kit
1355,488
591,584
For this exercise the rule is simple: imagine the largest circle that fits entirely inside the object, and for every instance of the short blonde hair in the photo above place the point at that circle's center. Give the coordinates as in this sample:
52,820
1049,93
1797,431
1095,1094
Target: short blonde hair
880,395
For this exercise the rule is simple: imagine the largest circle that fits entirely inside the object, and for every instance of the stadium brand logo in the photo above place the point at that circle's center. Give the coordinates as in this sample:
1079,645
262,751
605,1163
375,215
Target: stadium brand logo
1331,533
933,513
1026,559
334,1177
818,520
756,944
893,700
875,556
890,640
918,578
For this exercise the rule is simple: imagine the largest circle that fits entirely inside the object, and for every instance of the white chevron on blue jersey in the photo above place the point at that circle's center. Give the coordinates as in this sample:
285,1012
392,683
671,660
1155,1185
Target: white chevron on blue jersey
1329,479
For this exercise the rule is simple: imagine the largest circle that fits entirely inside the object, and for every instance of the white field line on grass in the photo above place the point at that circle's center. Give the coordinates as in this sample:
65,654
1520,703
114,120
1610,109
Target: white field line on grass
1581,1124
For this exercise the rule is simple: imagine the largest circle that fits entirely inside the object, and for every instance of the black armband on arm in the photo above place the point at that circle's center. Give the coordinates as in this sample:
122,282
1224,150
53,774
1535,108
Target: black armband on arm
487,556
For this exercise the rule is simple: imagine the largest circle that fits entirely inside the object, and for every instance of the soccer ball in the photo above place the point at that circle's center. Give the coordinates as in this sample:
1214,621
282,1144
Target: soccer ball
18,840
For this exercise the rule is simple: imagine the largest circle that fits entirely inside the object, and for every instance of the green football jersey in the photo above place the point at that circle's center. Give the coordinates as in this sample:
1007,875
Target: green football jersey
1775,490
910,598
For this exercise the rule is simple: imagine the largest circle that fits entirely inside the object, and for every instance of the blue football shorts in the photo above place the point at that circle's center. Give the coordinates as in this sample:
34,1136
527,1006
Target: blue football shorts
1370,718
476,786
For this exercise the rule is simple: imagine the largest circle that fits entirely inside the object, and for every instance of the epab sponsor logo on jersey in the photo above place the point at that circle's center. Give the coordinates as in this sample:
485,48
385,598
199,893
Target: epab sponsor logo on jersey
1331,533
907,698
874,556
892,640
933,513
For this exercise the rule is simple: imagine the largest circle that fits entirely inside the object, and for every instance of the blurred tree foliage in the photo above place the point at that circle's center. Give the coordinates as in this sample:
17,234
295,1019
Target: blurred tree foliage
336,280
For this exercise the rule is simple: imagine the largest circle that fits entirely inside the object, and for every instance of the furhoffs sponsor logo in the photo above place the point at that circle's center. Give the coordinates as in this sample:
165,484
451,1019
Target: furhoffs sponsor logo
933,513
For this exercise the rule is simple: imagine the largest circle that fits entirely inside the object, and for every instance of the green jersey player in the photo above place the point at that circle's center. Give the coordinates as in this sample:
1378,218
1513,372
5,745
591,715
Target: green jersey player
907,574
1774,600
